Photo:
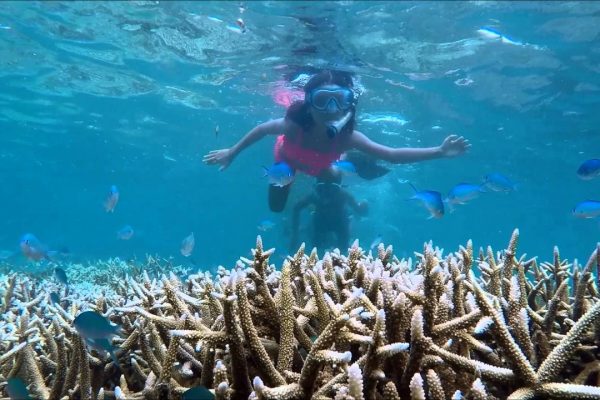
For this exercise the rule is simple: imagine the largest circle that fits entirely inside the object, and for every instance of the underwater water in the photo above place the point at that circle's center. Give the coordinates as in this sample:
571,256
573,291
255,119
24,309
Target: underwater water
133,94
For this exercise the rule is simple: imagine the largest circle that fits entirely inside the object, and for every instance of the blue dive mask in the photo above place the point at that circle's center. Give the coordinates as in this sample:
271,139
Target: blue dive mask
331,100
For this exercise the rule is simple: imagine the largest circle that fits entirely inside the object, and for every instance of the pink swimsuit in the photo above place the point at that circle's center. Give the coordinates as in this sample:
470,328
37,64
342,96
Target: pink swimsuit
309,161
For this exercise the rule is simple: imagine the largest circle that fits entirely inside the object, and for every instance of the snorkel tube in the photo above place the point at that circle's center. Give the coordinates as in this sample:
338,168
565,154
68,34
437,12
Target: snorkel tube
335,127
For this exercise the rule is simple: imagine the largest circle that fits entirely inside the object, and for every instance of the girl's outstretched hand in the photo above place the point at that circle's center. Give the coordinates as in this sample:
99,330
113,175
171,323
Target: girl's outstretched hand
222,157
454,146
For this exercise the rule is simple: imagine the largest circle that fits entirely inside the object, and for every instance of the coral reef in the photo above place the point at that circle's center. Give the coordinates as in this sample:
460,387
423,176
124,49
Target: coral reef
356,326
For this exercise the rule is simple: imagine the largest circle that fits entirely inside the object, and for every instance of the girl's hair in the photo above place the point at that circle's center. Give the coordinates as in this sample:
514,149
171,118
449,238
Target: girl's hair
299,111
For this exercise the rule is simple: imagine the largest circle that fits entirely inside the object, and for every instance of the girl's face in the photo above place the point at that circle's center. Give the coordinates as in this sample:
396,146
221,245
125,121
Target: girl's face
329,103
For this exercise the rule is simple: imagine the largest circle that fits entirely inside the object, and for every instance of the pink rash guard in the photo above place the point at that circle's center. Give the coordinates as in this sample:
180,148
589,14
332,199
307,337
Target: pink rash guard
309,161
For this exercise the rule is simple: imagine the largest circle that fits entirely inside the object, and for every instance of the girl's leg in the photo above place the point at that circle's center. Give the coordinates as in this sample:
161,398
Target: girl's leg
278,197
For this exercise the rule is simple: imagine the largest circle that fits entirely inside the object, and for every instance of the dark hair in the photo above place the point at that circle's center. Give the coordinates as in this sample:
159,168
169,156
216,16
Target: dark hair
299,111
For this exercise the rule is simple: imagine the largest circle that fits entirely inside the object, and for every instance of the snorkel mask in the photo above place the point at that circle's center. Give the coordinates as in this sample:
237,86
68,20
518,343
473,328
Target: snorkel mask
332,101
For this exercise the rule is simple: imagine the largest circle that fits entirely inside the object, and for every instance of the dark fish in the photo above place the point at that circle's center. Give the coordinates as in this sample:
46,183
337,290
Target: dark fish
92,325
17,390
197,393
103,346
54,298
61,276
589,169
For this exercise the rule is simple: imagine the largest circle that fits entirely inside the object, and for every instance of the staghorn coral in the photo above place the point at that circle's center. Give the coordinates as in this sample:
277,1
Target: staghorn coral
341,327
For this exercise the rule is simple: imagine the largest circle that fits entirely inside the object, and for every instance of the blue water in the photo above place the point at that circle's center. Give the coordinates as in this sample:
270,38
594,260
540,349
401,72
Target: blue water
96,93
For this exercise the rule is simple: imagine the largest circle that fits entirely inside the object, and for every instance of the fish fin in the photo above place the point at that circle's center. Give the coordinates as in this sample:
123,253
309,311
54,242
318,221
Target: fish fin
114,358
448,204
117,330
412,186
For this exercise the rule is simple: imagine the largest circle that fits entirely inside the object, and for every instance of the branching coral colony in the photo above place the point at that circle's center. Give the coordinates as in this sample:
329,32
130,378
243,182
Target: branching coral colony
356,326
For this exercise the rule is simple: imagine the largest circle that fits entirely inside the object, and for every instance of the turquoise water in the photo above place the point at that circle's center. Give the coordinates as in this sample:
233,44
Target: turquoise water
94,94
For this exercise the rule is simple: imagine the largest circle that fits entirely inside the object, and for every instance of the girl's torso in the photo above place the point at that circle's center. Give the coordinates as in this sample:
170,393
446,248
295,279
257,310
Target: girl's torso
309,151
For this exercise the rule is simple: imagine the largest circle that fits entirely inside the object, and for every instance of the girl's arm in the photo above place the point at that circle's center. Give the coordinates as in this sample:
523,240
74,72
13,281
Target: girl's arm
272,127
452,146
224,157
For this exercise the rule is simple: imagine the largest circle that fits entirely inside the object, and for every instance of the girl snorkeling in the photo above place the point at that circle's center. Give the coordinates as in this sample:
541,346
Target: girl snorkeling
319,130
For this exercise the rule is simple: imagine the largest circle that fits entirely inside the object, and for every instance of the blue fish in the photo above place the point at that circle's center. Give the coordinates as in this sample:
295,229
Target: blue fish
280,174
498,183
587,209
16,389
92,325
345,167
197,393
61,276
125,233
431,200
589,169
463,192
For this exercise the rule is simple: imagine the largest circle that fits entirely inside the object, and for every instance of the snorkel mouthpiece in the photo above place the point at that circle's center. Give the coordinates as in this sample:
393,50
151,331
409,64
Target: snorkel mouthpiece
336,126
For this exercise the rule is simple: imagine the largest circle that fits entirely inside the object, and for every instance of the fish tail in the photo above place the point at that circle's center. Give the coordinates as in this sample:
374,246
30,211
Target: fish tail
114,358
448,204
411,198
